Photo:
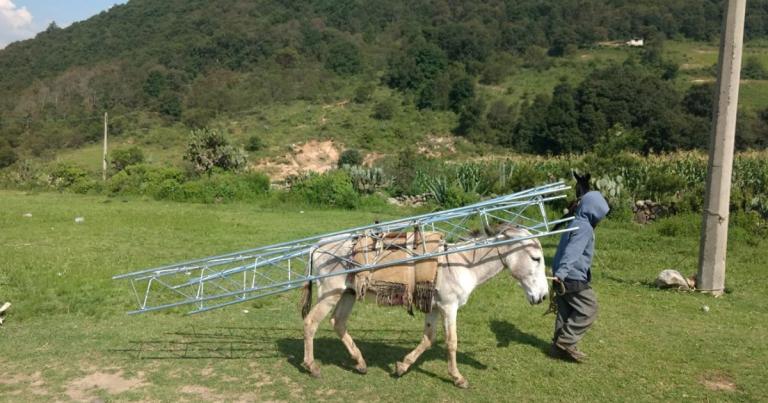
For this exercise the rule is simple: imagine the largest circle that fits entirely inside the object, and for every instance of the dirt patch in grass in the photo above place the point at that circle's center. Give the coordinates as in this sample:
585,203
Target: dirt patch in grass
201,392
437,146
33,383
112,383
313,156
718,381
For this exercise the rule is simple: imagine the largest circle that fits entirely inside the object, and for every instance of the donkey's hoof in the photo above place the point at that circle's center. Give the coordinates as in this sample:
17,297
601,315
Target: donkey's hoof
461,383
361,369
312,368
400,368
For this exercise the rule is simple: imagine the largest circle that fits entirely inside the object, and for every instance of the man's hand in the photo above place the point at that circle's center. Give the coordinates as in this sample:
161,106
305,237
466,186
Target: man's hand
558,285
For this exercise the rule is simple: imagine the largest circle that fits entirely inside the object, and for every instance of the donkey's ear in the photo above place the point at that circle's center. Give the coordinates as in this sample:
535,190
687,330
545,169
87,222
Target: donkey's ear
587,177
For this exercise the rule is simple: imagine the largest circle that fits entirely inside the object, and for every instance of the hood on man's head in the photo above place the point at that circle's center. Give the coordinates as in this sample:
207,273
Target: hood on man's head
593,207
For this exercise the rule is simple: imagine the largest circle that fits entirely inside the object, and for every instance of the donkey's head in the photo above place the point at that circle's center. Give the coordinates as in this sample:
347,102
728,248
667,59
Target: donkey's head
525,261
582,183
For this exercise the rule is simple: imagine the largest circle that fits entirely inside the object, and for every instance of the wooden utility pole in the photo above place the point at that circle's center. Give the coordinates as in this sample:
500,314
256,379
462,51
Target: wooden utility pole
714,230
104,159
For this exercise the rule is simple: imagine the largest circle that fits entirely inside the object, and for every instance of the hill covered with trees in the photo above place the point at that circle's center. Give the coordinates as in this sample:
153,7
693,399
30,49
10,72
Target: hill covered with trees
190,62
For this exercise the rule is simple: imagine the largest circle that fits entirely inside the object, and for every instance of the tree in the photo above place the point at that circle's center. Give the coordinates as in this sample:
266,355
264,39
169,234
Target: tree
416,66
698,100
472,119
462,92
561,132
531,122
635,97
464,42
208,149
344,58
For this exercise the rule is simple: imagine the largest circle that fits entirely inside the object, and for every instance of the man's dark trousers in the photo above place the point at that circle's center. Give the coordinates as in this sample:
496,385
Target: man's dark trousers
576,312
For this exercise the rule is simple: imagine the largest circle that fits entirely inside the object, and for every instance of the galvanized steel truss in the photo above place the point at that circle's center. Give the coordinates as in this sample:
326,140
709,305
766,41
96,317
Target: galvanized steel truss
219,281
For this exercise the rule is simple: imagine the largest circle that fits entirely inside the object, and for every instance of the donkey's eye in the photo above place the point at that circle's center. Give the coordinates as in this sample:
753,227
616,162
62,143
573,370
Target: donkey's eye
536,259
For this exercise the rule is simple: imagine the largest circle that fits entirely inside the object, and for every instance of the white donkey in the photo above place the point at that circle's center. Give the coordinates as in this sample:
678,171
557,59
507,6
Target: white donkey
458,275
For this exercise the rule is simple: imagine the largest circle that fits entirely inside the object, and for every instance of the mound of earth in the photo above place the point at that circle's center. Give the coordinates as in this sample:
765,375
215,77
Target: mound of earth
313,156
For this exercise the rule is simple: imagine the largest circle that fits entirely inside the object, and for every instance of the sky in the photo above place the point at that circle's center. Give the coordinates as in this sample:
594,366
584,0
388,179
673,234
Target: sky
23,19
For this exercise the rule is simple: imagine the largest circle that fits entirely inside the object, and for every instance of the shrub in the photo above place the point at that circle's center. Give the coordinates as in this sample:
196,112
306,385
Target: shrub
449,195
351,157
209,149
7,156
384,110
143,179
753,69
63,175
123,157
255,143
661,185
330,189
363,93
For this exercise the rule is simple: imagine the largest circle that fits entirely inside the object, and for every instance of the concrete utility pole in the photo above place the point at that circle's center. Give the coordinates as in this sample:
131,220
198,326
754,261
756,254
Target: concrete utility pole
104,159
714,230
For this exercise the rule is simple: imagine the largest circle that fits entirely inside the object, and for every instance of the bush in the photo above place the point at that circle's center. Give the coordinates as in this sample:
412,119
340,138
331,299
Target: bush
63,175
223,187
7,156
449,195
143,180
209,149
123,157
350,157
384,110
255,143
753,69
330,189
363,93
662,186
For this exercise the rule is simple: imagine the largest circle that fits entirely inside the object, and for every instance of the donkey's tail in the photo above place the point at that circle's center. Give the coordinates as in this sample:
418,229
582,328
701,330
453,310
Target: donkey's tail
306,299
306,292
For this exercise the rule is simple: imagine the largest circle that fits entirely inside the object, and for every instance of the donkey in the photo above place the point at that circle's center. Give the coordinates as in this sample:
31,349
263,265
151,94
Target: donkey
458,275
582,188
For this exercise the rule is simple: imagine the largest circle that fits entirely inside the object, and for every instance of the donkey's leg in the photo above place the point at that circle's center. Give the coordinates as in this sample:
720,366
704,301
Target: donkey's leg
339,322
430,320
452,340
311,322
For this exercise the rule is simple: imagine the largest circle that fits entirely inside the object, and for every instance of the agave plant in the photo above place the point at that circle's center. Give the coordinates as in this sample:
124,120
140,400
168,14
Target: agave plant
366,180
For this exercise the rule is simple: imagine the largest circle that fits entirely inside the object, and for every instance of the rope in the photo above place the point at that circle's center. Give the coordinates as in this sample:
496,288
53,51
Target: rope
553,293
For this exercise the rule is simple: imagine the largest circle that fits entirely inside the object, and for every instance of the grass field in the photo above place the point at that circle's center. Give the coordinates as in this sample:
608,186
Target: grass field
67,336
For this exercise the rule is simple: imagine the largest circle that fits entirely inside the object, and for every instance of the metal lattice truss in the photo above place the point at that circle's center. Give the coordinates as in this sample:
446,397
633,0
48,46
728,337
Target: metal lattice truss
219,281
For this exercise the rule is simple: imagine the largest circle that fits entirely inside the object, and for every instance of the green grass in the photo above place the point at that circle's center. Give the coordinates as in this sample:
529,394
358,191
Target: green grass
68,320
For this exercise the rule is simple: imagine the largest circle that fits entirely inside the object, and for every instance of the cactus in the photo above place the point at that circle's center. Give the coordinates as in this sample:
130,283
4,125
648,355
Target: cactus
610,187
366,180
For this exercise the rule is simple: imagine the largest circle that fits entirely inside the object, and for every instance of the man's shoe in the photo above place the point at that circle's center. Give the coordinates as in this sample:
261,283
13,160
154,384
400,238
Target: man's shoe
5,307
556,352
570,352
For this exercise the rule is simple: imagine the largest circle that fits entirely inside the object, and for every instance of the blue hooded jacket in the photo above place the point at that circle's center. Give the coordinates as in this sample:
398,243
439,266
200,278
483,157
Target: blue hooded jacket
573,258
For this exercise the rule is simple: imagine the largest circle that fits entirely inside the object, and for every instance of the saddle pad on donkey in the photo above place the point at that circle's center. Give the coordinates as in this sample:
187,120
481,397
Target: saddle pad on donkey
401,284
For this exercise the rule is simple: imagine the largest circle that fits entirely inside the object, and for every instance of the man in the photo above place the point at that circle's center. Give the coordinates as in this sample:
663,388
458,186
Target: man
576,301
